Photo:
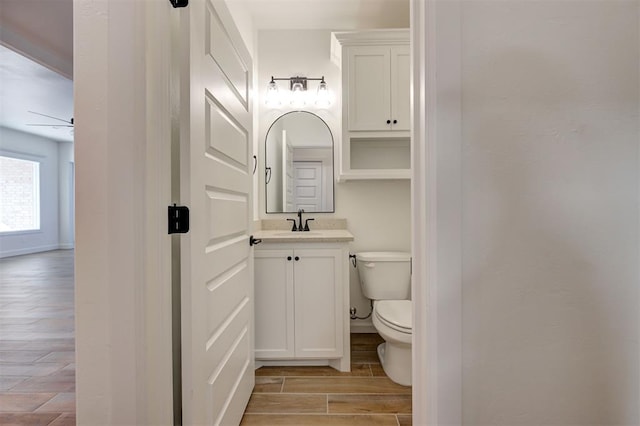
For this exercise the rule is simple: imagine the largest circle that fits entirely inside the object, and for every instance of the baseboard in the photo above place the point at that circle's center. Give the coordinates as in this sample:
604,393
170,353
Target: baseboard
66,246
29,250
363,328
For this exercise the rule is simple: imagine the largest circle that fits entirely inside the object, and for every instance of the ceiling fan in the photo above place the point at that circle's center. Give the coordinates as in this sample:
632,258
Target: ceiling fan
67,123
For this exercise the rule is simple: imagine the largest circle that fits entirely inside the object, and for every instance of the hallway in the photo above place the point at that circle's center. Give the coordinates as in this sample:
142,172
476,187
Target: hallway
37,343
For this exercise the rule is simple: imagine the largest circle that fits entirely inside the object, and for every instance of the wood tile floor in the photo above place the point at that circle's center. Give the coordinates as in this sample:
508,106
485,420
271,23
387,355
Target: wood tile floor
323,396
37,344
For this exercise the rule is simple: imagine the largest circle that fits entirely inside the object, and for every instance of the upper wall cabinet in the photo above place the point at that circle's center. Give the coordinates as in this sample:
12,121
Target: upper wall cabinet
375,103
378,88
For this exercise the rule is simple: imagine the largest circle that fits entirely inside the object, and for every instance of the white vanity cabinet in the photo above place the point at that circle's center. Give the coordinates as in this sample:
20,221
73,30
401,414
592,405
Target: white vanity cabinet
301,304
376,117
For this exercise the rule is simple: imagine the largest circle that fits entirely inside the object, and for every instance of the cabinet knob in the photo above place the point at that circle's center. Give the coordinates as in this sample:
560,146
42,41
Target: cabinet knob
288,257
296,258
388,121
395,121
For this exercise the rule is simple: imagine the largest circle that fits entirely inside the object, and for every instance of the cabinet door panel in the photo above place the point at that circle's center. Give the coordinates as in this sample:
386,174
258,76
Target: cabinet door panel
369,88
319,305
274,318
400,87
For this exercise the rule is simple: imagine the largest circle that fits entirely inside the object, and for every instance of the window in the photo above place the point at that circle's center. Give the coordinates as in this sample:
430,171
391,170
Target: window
19,195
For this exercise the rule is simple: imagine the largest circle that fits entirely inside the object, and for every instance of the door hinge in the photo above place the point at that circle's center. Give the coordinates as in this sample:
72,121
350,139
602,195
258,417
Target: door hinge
179,3
178,219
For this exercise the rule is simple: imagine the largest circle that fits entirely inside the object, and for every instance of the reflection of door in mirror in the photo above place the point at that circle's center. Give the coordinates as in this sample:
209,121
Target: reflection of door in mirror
308,186
299,151
288,203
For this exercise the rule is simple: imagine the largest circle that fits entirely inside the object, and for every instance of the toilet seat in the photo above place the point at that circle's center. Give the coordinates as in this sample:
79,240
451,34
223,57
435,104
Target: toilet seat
395,314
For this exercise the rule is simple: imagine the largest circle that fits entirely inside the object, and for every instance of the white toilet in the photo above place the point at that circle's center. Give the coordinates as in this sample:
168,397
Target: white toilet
385,278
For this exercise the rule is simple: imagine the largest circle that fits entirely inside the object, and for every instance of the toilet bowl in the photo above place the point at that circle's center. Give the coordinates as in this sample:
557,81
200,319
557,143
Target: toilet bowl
385,278
392,320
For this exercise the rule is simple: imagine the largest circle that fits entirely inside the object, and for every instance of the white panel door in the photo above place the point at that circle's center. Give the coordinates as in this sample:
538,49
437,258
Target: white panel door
308,185
217,268
287,175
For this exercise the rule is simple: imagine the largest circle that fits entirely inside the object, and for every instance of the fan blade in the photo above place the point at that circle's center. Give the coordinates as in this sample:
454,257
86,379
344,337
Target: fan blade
50,125
70,122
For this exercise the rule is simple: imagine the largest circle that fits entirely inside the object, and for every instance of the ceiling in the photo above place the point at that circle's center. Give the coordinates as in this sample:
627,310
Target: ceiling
27,86
327,14
43,30
41,26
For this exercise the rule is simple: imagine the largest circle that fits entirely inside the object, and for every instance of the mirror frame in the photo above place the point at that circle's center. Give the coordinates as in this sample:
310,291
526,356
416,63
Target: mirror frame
267,170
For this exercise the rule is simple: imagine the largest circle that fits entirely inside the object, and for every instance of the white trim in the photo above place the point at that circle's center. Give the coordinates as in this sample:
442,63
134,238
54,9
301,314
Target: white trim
22,155
21,232
436,212
122,292
363,327
158,292
377,37
29,250
392,36
638,210
368,174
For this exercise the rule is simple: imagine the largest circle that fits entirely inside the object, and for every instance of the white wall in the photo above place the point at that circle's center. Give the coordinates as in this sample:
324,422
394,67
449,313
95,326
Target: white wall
377,212
550,219
45,151
243,20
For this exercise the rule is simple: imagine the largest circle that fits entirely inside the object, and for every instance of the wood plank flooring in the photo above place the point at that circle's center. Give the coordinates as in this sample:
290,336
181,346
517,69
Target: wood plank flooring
323,396
37,343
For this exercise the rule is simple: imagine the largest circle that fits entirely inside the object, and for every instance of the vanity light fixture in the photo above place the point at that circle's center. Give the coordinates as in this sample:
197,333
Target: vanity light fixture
297,92
322,97
272,98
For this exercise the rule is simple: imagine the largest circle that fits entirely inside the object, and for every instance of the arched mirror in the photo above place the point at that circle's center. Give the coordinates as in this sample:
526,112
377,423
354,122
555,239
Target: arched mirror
299,164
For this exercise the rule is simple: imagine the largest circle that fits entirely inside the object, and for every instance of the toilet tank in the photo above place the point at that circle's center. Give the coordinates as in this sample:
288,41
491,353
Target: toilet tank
385,275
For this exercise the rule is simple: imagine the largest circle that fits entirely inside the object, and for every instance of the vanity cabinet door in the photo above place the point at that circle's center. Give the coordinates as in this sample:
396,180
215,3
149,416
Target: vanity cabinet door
274,304
368,88
378,88
400,88
319,303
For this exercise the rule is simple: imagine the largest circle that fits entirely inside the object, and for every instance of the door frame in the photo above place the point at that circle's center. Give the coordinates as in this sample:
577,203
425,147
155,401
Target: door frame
123,188
115,34
436,211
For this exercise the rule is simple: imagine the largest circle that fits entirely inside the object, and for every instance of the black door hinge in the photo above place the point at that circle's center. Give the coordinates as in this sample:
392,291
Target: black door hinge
179,3
178,219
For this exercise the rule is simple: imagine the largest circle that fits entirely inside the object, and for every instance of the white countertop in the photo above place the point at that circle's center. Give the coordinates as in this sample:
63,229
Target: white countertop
315,235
